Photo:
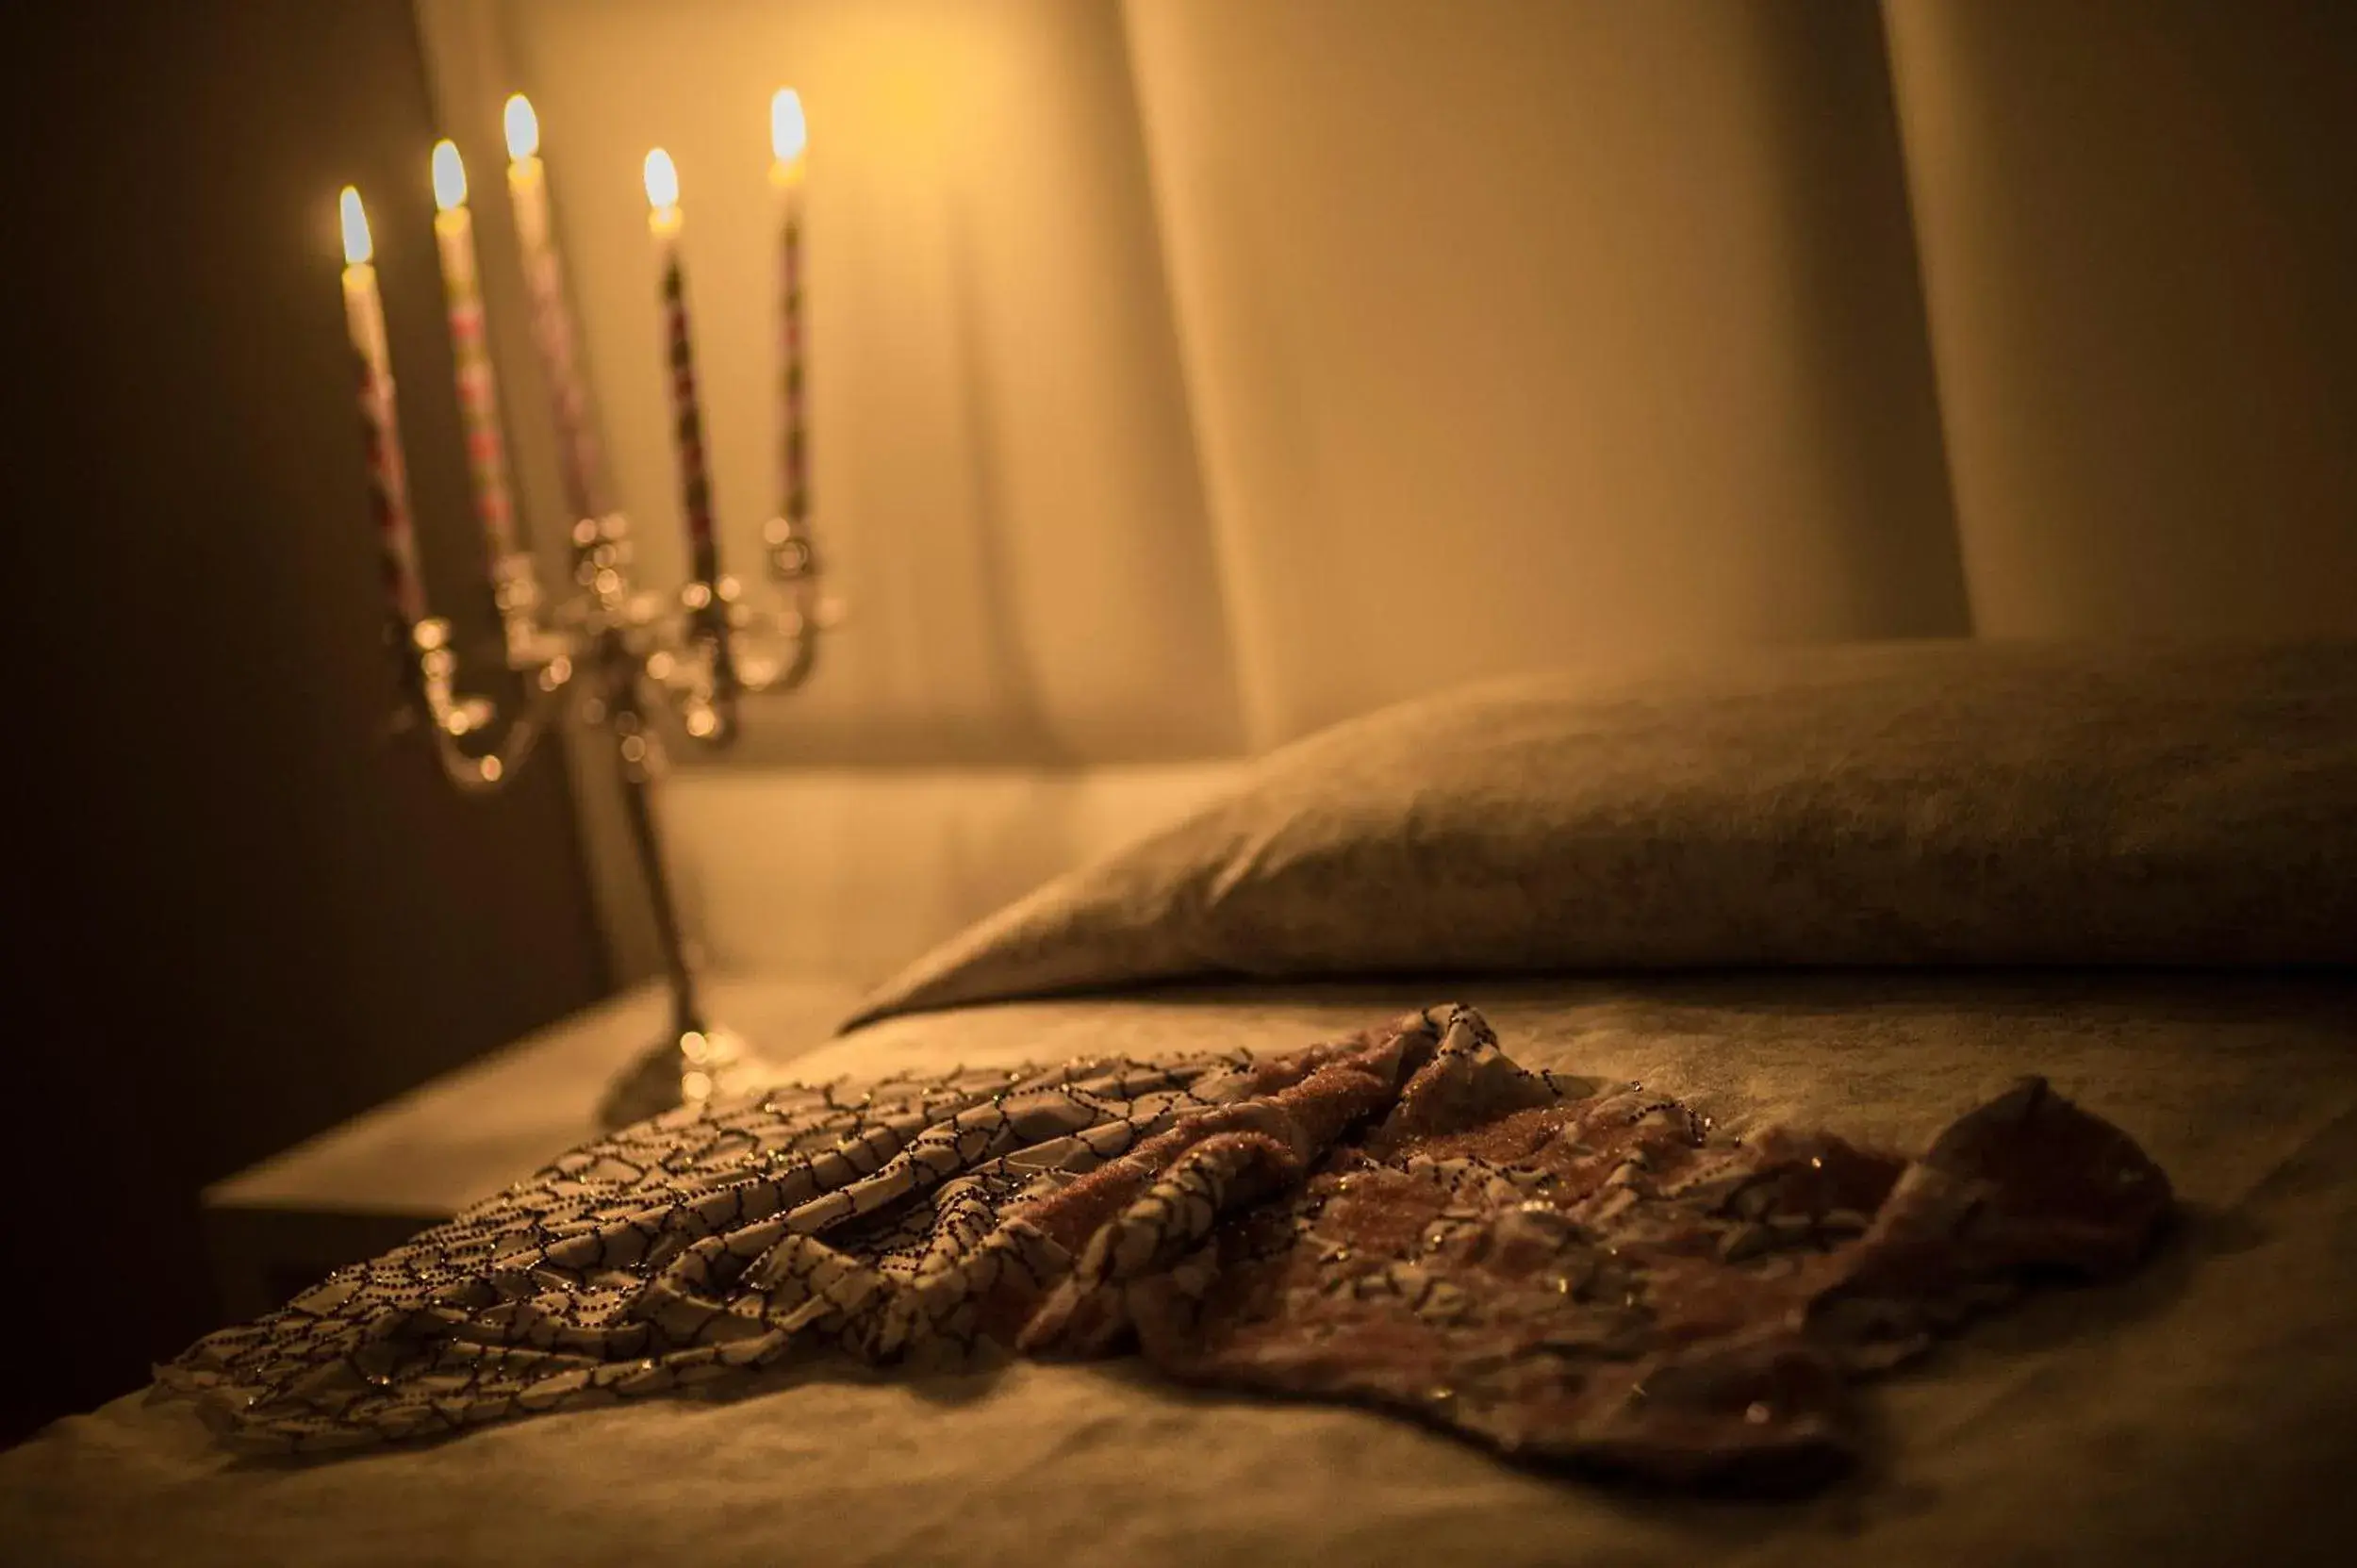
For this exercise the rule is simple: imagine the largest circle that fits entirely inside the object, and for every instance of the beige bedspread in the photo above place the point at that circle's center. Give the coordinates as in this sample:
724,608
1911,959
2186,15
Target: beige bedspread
2205,1411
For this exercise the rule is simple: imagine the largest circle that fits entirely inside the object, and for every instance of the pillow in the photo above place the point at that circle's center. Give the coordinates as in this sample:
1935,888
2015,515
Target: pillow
1965,803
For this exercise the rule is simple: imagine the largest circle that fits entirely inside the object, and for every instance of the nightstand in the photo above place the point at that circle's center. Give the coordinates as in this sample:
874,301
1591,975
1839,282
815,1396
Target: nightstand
379,1178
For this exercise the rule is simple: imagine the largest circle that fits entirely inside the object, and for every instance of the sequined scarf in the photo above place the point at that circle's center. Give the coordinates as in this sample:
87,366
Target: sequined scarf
1402,1218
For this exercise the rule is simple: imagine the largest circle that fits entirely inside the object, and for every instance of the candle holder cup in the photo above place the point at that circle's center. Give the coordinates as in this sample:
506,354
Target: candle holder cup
621,657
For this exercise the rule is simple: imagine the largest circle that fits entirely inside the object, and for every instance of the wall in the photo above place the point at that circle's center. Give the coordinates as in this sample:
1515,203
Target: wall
253,912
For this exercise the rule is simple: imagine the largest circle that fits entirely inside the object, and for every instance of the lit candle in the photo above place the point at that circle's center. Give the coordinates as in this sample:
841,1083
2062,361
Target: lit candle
478,392
552,322
388,482
788,138
663,222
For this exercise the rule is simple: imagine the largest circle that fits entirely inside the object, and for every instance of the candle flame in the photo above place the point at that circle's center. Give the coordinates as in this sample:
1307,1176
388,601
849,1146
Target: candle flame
662,181
356,247
788,132
450,177
524,128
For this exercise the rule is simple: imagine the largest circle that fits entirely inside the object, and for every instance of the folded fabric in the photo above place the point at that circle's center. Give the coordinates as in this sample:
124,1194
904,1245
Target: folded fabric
1402,1217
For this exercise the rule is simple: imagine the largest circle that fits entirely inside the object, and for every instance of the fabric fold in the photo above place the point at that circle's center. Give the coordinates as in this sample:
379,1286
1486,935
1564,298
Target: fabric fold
1402,1217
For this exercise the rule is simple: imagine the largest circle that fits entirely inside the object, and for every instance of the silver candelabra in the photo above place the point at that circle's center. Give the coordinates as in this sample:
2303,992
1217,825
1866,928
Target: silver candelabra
620,656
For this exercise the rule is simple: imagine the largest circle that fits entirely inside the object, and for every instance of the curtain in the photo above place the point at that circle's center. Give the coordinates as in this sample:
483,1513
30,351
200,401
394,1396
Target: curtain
1190,373
2137,243
1522,333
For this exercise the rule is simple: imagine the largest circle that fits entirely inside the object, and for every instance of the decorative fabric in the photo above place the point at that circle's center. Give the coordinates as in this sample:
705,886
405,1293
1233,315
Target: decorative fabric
1402,1217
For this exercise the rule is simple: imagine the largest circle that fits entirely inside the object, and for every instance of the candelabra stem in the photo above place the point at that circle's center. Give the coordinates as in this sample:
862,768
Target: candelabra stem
622,655
695,1058
639,806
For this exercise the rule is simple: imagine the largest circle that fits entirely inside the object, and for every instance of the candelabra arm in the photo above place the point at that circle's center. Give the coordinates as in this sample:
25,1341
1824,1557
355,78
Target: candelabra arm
624,651
793,561
429,682
482,774
809,614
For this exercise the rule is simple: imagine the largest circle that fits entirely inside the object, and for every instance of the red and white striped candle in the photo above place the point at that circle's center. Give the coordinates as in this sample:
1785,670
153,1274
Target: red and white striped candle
478,389
380,423
662,223
579,461
789,137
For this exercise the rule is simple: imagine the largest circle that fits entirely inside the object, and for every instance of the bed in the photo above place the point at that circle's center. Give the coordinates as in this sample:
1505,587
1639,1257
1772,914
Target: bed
1865,889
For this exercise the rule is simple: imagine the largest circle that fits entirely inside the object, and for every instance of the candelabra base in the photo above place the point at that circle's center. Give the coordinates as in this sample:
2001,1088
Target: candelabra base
685,1068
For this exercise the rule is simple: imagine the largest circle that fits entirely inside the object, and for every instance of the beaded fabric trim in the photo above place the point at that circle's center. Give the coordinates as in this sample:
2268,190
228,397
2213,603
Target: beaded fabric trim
1402,1218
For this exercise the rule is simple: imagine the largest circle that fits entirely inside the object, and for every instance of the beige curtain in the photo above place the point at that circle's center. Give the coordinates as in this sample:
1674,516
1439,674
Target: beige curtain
1527,332
1192,372
2139,248
1189,373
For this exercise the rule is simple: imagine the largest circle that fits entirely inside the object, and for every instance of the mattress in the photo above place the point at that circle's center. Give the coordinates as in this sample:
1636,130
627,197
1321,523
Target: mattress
2202,1411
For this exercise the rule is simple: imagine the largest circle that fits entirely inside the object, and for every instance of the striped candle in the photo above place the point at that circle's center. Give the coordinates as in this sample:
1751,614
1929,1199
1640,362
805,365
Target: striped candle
478,390
788,138
579,462
663,222
380,423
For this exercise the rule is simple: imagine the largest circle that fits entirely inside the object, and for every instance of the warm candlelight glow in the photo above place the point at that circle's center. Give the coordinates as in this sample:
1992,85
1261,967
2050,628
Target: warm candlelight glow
662,182
524,128
356,247
789,133
389,483
789,136
552,335
662,225
450,177
478,387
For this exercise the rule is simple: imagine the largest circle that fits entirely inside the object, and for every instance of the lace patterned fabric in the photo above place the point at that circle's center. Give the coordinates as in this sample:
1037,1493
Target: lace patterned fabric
1401,1218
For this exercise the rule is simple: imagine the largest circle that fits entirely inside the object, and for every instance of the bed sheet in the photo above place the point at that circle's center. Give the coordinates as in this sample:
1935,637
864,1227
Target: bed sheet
2204,1412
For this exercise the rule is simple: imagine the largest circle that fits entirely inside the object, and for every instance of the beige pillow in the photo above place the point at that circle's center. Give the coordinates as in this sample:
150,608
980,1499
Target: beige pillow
1963,804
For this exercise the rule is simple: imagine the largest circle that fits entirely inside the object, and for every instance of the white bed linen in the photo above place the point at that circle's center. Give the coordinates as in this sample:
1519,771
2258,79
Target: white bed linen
2202,1411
